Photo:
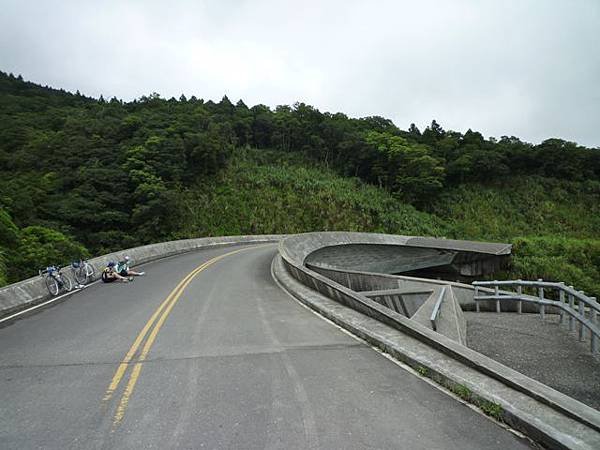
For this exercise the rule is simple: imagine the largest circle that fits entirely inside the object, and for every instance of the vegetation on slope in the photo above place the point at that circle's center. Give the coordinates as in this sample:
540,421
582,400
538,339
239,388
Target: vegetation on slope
554,225
522,206
80,176
268,192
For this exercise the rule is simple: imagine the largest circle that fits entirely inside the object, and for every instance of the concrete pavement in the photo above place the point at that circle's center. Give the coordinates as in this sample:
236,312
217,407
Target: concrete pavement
236,364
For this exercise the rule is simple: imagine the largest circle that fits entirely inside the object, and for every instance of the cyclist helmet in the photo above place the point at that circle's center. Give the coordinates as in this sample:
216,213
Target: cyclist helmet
126,257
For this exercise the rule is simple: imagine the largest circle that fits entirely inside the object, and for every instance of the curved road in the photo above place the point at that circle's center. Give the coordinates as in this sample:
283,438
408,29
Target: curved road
222,358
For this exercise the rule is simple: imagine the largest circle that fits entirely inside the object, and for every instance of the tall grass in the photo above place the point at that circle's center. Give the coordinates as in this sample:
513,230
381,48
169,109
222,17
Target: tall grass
255,196
525,206
575,261
554,226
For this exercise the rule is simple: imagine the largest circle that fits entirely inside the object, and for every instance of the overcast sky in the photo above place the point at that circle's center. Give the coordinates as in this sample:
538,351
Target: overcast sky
524,68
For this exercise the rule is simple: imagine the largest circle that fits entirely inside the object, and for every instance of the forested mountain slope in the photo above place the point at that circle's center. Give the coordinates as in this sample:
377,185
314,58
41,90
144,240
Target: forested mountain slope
81,176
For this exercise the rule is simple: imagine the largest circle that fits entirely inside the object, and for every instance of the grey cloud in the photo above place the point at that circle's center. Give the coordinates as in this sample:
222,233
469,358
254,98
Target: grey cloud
524,68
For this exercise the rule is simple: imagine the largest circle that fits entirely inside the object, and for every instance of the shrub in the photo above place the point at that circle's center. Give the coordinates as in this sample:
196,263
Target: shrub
40,247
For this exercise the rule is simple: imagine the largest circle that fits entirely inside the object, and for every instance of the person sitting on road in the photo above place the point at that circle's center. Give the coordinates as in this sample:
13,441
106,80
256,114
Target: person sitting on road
109,274
124,270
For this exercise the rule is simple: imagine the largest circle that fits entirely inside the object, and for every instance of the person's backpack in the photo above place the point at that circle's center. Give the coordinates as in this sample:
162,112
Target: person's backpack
109,268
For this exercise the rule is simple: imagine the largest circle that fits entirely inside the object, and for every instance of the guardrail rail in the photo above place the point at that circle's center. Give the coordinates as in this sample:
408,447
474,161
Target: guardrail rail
436,308
578,306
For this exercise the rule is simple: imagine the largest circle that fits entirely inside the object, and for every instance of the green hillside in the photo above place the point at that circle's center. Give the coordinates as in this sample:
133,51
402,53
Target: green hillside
264,191
553,225
522,206
82,176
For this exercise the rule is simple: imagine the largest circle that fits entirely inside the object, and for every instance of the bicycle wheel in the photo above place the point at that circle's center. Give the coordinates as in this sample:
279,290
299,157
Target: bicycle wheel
52,285
66,282
80,275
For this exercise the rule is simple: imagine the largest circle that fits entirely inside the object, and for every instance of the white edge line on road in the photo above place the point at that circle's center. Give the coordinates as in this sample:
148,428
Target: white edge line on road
47,302
400,363
75,290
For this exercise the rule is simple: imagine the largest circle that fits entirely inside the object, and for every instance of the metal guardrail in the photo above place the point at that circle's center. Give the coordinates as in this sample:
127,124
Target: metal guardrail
436,308
586,313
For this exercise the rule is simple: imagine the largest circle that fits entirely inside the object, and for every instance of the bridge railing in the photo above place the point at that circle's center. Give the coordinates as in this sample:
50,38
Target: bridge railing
435,313
569,302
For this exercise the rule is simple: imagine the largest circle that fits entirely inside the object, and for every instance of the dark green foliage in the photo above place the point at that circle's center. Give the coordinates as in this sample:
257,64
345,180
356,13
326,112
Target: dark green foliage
575,261
107,173
554,225
9,239
3,274
462,391
40,247
405,168
521,206
267,192
491,409
9,233
113,174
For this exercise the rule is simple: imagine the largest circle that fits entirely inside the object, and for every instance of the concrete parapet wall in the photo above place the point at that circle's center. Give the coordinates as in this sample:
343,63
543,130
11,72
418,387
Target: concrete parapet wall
26,293
451,321
545,415
464,293
299,246
345,295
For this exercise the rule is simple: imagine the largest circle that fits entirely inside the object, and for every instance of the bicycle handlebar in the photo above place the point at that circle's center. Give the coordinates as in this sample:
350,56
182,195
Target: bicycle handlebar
49,270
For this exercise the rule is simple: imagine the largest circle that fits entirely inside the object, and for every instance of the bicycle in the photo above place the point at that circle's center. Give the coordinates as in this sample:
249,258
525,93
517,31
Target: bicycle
83,271
55,280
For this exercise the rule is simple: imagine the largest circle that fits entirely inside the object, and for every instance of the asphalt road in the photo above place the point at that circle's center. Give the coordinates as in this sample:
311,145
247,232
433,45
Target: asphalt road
230,361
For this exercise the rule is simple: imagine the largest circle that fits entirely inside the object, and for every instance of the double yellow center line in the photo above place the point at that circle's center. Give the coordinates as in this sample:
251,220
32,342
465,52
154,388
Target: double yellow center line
155,323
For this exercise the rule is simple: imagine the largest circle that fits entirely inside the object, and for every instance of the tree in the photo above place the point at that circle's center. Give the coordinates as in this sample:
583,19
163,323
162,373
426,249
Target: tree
413,130
404,168
40,247
9,233
433,134
9,238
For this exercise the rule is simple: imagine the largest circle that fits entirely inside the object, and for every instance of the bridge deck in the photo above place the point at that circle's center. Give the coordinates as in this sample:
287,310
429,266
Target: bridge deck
235,364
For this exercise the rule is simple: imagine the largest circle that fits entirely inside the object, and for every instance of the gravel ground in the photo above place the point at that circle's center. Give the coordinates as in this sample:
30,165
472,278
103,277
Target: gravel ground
541,349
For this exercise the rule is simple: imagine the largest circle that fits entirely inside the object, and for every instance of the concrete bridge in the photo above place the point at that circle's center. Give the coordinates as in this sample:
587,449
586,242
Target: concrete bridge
216,348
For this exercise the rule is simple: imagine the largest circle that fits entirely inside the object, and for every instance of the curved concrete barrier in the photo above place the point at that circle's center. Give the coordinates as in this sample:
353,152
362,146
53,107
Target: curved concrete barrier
24,294
568,424
298,247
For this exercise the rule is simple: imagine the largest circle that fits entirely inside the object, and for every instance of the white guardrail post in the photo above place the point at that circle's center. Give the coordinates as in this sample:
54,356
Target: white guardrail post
497,294
572,307
561,298
519,294
582,315
541,296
